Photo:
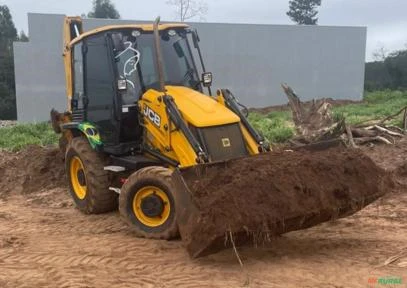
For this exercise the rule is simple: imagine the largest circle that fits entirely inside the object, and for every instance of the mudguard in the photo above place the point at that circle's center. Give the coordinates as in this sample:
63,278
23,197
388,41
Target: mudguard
89,130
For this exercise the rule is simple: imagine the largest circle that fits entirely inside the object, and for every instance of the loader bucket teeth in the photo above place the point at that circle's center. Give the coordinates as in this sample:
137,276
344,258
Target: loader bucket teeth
255,198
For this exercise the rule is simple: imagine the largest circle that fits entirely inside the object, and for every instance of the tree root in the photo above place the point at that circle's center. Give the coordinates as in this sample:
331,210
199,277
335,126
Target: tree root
315,123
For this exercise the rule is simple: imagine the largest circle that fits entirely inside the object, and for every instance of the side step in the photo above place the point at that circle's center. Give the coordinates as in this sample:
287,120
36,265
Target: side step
115,190
133,162
114,168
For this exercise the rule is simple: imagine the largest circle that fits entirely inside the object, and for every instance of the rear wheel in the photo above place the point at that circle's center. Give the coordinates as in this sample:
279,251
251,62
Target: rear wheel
147,203
88,182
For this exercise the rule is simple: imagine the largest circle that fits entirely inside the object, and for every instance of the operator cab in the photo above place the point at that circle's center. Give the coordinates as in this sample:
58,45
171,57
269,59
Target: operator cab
135,62
112,69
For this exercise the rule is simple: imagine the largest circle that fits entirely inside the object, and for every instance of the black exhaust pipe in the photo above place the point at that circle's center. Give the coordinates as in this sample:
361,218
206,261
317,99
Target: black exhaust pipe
158,55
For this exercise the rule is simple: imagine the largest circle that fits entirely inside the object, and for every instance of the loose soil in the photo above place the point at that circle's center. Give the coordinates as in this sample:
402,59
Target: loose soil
256,198
31,170
46,242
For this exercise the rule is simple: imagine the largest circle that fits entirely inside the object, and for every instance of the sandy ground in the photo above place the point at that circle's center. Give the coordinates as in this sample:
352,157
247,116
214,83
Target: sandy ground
45,242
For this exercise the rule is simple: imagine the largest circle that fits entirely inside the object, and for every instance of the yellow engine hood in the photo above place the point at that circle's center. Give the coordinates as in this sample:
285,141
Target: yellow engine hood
200,110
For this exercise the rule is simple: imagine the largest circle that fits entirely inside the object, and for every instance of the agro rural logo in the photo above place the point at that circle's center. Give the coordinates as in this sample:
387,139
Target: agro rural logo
152,116
385,281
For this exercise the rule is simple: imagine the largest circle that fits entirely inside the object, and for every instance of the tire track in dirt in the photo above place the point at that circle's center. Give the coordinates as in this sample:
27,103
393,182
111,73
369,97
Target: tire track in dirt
144,251
61,259
45,242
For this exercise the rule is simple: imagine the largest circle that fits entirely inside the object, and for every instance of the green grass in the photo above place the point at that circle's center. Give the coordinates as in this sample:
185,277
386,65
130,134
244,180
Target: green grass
376,105
17,137
277,126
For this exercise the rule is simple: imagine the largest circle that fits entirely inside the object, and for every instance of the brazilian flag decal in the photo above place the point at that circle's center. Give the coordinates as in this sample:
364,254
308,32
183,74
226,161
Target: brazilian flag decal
93,135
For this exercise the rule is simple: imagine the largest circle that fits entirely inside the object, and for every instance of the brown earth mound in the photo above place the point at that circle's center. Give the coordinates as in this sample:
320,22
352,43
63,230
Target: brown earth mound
259,197
253,198
31,170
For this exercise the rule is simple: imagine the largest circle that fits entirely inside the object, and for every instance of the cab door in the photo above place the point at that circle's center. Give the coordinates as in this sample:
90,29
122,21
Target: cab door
100,89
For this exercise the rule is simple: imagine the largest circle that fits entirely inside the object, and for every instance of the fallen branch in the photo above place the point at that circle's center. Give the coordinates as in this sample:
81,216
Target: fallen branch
350,136
364,140
404,109
360,132
381,129
396,128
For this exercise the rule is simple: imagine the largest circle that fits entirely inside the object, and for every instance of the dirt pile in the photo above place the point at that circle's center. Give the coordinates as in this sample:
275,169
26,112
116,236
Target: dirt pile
41,246
259,197
392,158
31,170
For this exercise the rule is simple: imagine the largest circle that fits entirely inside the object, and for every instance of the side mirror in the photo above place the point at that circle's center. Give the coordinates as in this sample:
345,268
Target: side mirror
195,38
207,79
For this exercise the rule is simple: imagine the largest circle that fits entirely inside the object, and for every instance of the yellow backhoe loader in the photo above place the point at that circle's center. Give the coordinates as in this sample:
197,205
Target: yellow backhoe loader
140,134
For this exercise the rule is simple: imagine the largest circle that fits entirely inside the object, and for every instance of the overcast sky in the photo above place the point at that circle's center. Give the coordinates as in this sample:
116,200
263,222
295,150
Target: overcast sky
386,20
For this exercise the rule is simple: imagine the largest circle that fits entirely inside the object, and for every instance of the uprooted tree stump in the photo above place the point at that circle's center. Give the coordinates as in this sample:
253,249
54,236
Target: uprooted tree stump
314,122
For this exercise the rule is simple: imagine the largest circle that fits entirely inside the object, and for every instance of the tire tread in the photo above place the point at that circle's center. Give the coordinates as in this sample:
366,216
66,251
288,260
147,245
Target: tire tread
100,198
161,174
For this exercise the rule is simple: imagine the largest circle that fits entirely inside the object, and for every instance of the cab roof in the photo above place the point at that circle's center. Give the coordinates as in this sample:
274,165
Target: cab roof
143,27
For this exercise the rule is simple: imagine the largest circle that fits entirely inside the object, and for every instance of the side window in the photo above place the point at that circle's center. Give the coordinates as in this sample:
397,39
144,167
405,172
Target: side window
99,87
99,75
127,61
78,75
147,65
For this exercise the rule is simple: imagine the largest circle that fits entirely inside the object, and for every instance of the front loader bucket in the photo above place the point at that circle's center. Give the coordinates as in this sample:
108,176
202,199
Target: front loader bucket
258,197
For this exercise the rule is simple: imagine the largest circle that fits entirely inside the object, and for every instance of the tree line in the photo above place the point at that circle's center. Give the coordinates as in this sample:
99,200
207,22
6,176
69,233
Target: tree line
390,72
8,34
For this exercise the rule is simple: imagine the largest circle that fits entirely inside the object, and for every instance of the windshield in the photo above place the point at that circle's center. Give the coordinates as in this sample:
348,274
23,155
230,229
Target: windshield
135,61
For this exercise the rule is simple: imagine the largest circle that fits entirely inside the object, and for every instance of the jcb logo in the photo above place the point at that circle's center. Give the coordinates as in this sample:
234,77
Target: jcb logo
226,142
152,116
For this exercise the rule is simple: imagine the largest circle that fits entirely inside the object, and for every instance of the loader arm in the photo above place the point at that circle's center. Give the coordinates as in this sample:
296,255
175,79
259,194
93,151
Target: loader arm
186,125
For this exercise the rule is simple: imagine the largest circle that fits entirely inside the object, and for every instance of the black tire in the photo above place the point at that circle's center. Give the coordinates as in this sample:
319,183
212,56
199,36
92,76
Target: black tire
98,198
160,178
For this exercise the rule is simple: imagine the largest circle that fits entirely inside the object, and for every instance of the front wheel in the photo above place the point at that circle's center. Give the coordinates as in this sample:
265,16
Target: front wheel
147,203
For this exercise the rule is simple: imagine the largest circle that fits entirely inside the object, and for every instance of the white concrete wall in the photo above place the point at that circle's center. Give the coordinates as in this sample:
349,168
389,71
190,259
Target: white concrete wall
250,60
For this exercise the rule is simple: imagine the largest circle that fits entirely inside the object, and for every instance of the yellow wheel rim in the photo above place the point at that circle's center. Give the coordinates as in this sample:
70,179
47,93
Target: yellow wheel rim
141,216
78,177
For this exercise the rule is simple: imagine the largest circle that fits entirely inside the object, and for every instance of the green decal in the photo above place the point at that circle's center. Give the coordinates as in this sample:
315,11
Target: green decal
92,133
